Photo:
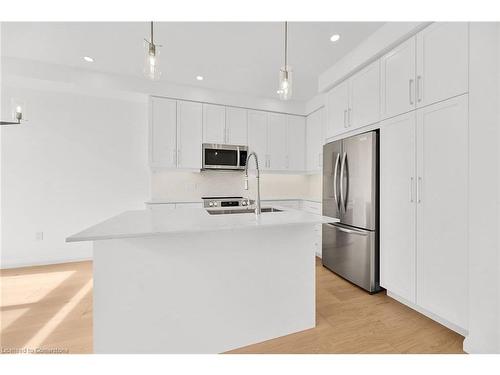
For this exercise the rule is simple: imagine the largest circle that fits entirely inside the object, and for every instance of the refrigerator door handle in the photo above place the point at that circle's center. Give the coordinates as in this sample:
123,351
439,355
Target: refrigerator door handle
335,174
349,230
342,166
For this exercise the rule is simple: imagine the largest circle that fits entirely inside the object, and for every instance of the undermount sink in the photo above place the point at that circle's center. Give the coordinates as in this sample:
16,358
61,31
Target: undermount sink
243,211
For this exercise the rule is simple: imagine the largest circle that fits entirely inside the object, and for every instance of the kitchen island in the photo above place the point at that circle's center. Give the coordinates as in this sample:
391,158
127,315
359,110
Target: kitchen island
184,281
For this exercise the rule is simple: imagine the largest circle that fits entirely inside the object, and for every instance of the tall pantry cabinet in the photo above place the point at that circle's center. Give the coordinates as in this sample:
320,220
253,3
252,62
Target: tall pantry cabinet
423,190
424,173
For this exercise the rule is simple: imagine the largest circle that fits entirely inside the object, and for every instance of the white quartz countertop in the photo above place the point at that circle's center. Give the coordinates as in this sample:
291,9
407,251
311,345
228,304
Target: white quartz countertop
146,223
170,201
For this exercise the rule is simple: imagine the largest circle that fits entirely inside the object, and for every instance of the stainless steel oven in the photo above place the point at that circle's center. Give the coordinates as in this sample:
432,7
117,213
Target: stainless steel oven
229,157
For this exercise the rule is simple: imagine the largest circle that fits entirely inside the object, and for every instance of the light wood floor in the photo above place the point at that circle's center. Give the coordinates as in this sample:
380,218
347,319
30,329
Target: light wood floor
50,307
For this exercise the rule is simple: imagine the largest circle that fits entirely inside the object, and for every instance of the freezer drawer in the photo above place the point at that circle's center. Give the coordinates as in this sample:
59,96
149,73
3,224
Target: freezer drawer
353,254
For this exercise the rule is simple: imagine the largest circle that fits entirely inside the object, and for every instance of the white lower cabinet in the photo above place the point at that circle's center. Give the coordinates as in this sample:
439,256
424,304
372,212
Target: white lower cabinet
423,209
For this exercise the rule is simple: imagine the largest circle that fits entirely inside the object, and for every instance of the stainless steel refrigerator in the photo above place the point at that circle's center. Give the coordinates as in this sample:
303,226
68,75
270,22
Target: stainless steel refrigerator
350,193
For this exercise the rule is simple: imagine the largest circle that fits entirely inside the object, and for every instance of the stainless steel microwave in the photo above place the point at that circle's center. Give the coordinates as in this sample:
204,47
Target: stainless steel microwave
230,157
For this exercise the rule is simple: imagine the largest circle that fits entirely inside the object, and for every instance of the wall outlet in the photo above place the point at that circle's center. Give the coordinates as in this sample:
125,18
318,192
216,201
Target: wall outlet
39,236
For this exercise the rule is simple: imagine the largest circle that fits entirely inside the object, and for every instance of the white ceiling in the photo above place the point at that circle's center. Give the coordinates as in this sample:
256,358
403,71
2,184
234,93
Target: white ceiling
242,57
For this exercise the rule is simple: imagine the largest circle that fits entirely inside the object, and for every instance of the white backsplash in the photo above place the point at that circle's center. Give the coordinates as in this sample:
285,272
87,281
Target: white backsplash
191,186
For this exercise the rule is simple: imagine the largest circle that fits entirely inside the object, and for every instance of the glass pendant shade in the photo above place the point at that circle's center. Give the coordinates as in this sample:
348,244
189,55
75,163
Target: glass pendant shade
18,109
285,87
151,61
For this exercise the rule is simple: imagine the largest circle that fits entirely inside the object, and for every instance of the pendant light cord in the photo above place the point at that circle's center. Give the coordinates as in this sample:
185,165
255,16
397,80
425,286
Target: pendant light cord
286,43
152,32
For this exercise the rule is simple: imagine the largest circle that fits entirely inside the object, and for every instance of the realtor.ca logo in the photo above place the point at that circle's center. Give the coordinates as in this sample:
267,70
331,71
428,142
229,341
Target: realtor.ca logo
35,351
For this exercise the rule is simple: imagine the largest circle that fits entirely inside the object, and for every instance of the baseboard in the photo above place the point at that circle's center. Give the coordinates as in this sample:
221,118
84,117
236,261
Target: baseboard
6,265
460,330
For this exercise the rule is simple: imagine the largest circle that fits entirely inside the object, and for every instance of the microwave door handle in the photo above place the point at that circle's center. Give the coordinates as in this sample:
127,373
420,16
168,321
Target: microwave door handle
335,182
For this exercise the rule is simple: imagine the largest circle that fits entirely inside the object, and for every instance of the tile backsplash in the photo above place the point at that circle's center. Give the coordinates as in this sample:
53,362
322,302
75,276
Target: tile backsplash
191,186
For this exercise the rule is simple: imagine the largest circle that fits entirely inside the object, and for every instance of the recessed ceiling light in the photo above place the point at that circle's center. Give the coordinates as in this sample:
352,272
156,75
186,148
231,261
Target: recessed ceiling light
88,59
335,37
199,78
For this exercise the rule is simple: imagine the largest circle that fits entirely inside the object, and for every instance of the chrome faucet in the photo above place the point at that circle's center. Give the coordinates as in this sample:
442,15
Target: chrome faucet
257,209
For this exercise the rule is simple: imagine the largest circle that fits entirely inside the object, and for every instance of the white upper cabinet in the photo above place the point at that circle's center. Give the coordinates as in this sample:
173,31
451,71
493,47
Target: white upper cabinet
189,134
397,205
257,136
214,123
442,214
296,142
364,101
236,126
355,102
277,142
442,62
163,133
397,76
314,141
337,108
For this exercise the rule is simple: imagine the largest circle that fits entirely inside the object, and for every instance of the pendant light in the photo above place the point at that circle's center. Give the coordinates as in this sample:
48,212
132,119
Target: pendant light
18,109
152,58
286,74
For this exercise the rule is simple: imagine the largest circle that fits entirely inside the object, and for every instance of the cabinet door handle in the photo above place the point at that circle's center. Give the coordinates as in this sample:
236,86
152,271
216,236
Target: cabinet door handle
174,156
412,180
179,157
410,88
345,118
349,111
419,80
419,190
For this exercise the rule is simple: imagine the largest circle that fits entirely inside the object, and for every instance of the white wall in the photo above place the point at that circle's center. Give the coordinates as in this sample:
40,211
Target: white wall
191,186
79,160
